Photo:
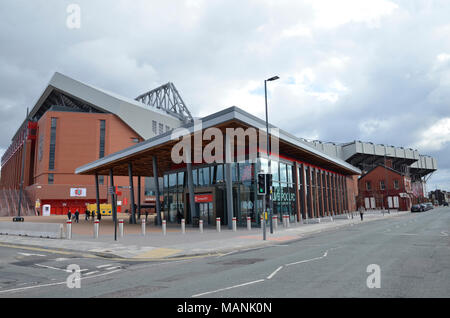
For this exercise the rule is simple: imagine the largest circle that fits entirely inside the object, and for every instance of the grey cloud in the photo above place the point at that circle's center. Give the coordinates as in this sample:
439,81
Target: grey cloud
211,51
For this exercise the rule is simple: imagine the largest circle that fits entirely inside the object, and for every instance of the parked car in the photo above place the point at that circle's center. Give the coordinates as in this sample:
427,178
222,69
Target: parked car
424,206
445,204
429,206
417,208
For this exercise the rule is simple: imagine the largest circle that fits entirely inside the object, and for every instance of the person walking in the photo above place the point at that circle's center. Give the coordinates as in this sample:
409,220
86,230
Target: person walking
87,215
69,215
77,216
361,212
99,216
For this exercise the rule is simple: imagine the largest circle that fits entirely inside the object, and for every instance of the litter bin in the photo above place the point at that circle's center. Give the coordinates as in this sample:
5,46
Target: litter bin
195,221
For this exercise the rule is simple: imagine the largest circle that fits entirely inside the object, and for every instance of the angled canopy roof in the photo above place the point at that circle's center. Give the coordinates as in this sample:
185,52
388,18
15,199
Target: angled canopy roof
140,155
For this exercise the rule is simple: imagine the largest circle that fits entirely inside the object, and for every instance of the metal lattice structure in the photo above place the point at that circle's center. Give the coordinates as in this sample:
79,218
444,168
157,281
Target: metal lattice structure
167,98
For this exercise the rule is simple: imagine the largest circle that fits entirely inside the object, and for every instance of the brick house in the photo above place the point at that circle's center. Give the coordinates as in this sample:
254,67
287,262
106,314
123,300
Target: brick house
385,187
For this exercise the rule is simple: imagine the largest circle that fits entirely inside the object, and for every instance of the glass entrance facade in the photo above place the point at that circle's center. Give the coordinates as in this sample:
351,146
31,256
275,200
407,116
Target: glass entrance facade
299,191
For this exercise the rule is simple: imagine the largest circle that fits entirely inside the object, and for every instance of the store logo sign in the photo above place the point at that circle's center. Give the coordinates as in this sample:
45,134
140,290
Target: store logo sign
78,192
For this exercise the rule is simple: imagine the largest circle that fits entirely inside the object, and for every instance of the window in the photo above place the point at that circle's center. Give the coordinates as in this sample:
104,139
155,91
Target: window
135,140
161,129
101,180
41,146
382,185
368,186
51,162
51,178
283,176
167,128
102,138
396,185
154,127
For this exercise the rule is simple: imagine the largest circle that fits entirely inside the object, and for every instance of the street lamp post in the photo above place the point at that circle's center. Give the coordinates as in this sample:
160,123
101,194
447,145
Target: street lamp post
268,147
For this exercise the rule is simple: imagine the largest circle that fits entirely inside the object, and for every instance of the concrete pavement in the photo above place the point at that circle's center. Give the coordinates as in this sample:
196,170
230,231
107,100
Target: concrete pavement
155,246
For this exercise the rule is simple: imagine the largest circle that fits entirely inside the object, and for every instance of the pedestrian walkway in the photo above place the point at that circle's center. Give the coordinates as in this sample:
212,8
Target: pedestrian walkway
154,245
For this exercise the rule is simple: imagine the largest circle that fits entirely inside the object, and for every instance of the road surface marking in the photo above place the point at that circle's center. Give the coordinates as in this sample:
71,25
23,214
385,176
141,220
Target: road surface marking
310,260
55,284
113,267
228,288
90,273
443,233
273,274
106,265
29,254
50,267
158,253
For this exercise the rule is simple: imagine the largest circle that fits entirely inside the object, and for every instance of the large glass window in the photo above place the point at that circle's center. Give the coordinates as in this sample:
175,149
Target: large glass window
283,172
102,138
274,168
51,162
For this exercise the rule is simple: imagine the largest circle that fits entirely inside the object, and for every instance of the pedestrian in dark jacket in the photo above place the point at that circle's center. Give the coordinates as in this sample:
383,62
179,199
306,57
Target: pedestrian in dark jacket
77,216
69,216
361,213
99,216
87,215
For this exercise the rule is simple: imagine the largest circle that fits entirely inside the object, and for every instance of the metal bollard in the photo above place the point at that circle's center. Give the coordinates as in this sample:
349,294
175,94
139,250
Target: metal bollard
96,228
143,227
249,223
234,224
261,218
183,226
164,227
120,228
287,221
284,221
275,222
69,230
218,224
200,226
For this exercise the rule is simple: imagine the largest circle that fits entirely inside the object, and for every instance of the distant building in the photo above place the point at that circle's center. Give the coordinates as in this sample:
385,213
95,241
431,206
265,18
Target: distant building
439,196
384,187
367,155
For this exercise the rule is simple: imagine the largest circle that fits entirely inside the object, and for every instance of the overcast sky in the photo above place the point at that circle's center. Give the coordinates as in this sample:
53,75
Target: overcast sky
371,70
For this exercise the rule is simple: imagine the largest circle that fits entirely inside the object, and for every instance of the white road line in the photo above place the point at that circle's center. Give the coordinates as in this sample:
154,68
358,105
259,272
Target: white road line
113,267
310,260
90,273
443,233
55,284
50,267
228,288
273,274
28,254
101,266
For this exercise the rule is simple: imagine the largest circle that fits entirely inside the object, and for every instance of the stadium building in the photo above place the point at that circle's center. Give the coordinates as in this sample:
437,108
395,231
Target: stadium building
78,140
73,123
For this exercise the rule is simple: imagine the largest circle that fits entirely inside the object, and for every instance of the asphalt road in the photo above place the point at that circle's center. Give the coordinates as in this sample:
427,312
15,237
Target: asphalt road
411,252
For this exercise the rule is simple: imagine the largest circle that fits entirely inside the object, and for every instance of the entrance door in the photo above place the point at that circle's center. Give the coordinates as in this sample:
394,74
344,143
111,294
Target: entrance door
205,212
